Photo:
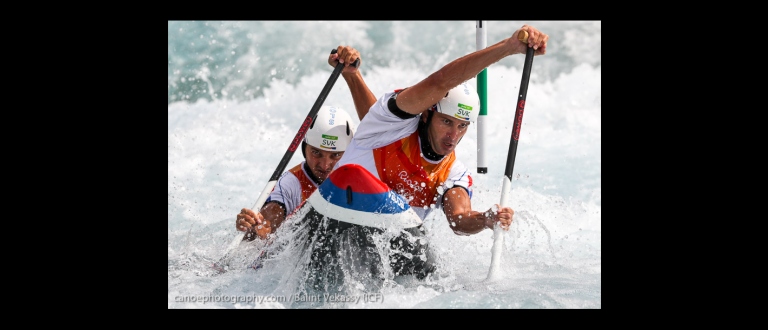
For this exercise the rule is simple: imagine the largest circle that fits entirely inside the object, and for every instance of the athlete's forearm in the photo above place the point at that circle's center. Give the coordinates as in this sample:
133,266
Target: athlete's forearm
361,94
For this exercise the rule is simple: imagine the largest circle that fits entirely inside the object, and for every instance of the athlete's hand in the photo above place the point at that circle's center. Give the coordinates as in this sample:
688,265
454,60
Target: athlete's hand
536,39
250,222
502,215
345,55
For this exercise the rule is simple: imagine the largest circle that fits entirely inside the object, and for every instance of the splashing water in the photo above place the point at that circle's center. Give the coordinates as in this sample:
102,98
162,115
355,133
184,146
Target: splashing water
238,92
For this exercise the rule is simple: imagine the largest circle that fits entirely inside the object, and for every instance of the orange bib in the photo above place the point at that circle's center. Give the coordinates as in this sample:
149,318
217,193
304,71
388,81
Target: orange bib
402,168
307,186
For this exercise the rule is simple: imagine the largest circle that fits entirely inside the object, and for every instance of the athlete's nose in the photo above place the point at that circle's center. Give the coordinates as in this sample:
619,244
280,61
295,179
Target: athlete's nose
326,163
452,133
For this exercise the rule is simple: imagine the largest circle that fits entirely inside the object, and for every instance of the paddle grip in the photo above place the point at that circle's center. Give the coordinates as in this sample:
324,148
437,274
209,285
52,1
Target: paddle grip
523,36
356,63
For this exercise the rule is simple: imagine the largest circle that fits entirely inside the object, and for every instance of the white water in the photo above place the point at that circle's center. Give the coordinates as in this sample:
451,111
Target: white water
247,86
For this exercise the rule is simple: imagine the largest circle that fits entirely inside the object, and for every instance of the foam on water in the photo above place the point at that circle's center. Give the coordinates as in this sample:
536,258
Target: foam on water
238,92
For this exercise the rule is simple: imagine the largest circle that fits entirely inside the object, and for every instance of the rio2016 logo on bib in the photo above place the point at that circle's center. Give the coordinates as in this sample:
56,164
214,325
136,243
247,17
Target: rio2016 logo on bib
329,142
463,112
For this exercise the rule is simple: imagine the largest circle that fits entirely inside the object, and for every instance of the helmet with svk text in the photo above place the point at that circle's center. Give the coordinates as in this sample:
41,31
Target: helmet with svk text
460,102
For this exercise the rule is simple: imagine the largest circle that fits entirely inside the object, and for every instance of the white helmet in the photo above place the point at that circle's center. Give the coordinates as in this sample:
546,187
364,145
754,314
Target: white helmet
461,102
331,130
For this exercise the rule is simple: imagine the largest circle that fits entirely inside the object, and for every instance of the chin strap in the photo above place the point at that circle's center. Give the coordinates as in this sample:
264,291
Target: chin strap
426,147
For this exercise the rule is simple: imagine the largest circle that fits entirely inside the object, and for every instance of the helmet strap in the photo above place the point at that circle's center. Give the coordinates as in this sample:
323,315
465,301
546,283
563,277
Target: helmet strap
426,147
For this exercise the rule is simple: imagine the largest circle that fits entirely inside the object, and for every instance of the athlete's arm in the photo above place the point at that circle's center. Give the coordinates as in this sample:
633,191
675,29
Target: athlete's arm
361,94
273,215
420,97
464,221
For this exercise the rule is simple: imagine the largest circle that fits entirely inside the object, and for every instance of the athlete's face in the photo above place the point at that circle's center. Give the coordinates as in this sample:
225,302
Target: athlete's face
321,162
445,132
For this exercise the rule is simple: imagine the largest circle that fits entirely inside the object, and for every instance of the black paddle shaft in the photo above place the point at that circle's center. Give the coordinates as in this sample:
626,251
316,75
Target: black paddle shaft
519,113
310,117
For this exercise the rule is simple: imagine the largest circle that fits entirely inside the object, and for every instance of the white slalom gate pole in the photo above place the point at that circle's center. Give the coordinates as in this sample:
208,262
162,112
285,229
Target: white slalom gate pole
482,84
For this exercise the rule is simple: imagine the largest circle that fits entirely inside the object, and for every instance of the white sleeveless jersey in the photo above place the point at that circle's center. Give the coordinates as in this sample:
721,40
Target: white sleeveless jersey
381,127
288,190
